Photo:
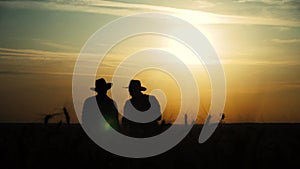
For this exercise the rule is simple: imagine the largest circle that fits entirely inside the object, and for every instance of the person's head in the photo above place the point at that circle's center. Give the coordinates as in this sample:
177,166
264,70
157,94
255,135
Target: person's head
101,86
135,88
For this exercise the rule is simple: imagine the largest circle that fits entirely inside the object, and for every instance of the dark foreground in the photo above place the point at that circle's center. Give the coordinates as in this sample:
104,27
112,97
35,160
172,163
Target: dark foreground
231,146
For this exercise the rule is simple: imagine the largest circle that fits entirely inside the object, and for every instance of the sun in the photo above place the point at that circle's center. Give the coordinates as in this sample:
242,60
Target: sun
178,49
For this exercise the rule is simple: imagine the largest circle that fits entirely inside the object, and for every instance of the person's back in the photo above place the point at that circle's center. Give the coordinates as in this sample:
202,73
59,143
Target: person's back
108,109
140,103
103,103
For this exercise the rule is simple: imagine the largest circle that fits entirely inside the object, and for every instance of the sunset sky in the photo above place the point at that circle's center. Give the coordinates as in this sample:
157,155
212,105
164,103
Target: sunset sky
257,41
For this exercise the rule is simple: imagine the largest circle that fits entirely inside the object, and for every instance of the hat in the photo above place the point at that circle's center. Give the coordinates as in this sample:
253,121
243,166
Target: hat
136,85
101,85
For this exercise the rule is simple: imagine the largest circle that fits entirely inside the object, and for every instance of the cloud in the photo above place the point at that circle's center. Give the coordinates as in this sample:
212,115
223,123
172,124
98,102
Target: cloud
285,41
35,62
261,62
31,54
30,61
290,84
124,9
55,45
34,73
268,2
204,4
284,9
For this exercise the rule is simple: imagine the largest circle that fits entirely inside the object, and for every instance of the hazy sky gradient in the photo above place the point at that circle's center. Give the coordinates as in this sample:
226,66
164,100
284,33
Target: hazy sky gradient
257,40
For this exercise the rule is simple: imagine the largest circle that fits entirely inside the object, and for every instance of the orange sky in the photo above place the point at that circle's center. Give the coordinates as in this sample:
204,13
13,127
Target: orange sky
257,42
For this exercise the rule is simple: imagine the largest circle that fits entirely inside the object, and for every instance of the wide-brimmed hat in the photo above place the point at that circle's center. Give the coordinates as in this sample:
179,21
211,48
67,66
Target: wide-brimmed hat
135,85
101,85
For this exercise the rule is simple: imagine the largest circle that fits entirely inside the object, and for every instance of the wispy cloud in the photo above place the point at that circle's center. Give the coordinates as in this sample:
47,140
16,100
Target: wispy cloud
124,9
285,41
31,54
112,62
290,84
35,73
204,4
28,62
270,2
35,62
55,45
261,62
284,9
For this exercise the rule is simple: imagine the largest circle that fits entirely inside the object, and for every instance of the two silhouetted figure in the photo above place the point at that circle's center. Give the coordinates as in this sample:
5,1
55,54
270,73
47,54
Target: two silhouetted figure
138,104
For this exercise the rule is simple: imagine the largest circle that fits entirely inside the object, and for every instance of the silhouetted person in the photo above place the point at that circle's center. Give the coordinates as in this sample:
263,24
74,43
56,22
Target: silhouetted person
105,104
139,103
67,116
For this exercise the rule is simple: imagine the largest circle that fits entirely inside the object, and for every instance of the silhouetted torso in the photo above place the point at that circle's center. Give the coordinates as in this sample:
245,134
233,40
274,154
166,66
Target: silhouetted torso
108,109
141,103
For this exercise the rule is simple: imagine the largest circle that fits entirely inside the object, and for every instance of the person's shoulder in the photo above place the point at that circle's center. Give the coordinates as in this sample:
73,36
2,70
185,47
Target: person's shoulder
128,101
90,99
151,97
104,98
110,99
146,95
